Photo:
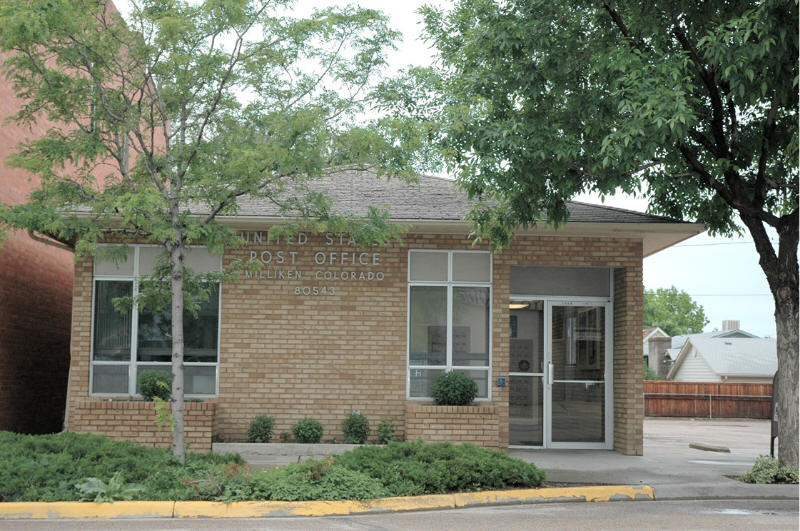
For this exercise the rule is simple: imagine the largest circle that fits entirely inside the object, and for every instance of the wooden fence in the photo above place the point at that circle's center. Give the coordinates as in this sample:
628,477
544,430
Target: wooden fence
707,399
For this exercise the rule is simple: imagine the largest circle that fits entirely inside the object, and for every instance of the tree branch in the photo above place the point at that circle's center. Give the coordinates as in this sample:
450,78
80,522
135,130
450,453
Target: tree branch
615,16
759,191
711,86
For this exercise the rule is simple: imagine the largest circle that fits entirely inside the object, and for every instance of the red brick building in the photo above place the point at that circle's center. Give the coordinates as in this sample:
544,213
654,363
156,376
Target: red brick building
35,303
549,328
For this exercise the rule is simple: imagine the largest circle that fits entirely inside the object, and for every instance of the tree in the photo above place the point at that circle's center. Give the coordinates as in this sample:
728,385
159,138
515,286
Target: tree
673,311
166,119
691,104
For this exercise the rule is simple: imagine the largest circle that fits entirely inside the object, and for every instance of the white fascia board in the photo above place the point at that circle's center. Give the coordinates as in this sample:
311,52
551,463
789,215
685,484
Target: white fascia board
679,360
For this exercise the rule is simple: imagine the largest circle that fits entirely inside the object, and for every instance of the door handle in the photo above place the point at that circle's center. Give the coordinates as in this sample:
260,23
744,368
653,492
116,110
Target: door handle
550,373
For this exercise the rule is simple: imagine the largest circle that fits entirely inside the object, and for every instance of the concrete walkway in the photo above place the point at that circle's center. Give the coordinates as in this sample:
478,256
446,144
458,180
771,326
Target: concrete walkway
669,465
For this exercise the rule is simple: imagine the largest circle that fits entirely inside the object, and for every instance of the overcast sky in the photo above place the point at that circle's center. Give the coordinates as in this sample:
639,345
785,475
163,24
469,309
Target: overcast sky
721,274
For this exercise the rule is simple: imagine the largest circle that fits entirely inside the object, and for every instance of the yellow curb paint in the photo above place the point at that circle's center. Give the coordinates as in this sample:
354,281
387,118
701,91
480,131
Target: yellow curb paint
606,493
255,509
84,510
310,508
589,494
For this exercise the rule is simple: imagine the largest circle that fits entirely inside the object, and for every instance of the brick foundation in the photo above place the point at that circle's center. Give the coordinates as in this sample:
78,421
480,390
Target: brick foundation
459,424
136,421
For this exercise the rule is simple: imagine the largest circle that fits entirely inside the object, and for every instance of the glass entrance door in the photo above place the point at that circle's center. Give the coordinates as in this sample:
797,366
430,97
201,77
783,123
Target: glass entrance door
559,359
526,374
577,390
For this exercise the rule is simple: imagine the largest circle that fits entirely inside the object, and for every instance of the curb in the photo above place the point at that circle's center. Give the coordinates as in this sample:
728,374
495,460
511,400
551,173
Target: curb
265,509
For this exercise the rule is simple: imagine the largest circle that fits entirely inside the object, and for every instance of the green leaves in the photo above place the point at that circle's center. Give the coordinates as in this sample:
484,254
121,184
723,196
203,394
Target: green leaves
96,490
673,311
532,102
188,106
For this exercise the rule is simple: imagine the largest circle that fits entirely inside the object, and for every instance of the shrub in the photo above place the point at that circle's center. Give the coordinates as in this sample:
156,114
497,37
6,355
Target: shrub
385,430
260,429
767,469
307,430
415,468
355,427
152,384
49,468
454,389
309,480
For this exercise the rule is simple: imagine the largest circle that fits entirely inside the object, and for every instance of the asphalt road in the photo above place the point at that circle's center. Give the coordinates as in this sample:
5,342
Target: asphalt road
739,514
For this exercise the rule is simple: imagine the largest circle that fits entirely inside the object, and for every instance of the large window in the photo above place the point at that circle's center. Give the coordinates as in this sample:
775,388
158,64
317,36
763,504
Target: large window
449,318
124,343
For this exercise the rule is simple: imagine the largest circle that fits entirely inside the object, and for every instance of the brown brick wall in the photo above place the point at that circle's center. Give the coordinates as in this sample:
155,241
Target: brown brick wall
292,356
35,298
471,424
628,397
136,421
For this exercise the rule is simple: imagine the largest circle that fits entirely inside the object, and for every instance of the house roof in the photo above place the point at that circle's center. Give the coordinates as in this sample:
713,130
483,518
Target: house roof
429,198
733,357
648,332
679,341
437,204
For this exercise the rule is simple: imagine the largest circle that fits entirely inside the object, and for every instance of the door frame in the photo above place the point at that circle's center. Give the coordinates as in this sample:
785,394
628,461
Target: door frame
547,380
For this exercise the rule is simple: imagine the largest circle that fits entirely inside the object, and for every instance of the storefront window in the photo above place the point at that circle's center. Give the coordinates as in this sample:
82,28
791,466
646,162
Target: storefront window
449,318
117,360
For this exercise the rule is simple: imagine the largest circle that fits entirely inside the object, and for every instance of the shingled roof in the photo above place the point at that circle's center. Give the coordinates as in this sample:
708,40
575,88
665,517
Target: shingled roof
428,199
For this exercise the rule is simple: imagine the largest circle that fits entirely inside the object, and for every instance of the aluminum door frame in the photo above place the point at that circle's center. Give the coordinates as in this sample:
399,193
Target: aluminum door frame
608,376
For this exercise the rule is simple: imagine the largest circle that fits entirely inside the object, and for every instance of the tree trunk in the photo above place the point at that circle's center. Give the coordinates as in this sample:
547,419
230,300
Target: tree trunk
176,287
781,270
786,388
784,290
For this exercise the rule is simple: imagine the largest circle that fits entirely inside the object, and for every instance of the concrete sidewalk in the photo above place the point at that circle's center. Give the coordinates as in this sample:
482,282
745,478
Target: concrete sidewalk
674,470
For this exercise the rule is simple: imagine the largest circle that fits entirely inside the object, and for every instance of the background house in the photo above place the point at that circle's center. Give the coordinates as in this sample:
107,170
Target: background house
661,351
660,342
725,359
730,329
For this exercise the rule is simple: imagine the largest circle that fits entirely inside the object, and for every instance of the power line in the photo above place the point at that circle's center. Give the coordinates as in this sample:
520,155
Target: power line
716,243
730,294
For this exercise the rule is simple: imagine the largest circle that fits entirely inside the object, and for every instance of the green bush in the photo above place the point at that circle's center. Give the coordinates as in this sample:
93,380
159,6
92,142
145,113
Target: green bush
152,384
49,468
454,389
310,480
260,429
385,430
307,430
650,374
355,427
415,468
767,469
71,467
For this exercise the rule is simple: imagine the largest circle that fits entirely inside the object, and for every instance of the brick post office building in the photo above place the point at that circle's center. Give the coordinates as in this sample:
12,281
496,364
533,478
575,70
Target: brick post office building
549,328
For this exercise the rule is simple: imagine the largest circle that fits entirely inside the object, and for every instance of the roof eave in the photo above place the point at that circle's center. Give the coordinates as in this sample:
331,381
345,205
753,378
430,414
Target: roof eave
655,236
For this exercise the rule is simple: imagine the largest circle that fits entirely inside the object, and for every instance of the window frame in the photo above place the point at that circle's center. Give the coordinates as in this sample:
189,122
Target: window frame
449,284
132,362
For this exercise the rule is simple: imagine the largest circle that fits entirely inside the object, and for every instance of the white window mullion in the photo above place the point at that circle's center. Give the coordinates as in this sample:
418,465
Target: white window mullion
134,324
449,360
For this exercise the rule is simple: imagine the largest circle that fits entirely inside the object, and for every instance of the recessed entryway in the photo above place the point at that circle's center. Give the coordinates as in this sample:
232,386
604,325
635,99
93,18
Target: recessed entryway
560,370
